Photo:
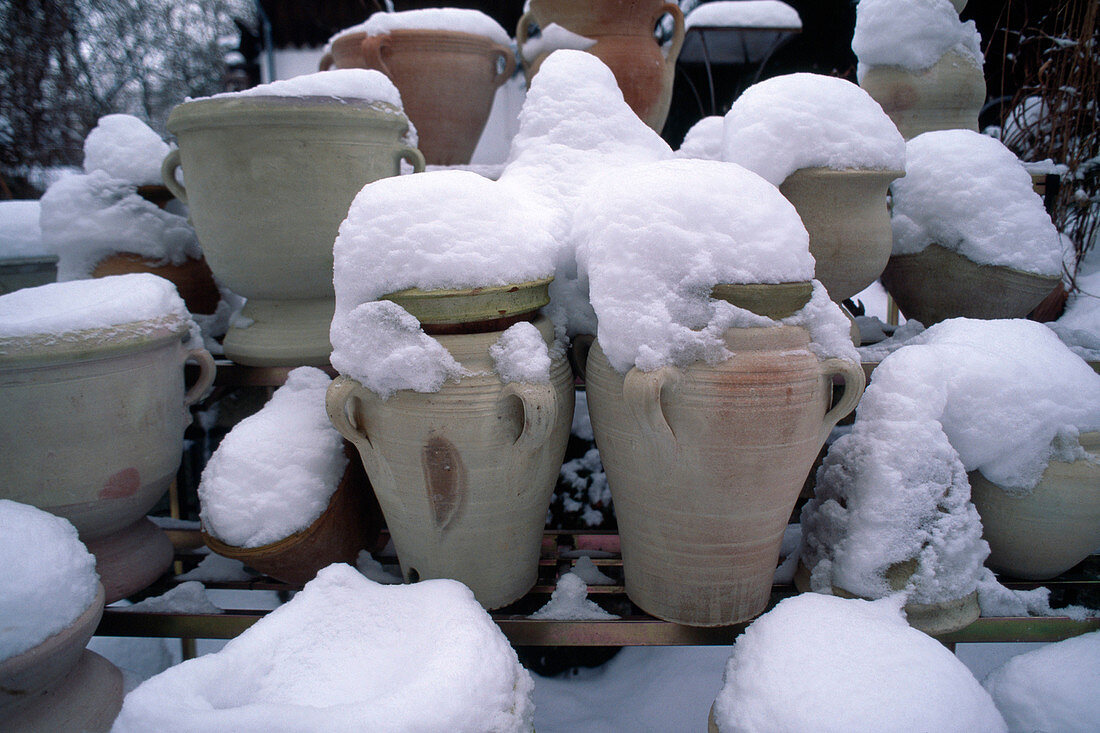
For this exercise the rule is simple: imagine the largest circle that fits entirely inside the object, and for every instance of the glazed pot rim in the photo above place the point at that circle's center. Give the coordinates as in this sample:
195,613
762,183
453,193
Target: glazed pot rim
248,111
923,254
771,300
821,171
92,344
85,622
471,305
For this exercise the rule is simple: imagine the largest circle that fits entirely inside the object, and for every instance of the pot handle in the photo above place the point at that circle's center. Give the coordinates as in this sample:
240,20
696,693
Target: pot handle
642,394
207,370
525,21
582,344
540,411
678,31
373,47
854,382
410,155
500,52
326,61
168,173
338,398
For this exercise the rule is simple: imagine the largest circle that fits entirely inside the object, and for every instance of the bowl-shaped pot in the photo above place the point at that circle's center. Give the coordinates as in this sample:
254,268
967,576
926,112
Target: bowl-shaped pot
192,278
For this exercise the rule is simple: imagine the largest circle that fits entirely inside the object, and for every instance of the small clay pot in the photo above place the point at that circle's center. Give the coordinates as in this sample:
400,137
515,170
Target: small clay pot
192,279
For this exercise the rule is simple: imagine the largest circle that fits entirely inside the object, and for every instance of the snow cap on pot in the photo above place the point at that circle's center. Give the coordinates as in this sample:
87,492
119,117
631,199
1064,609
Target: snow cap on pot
912,34
125,148
461,20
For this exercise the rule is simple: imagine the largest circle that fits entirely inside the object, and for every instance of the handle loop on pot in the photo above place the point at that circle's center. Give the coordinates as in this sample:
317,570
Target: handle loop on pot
678,31
642,393
854,382
373,48
540,411
338,398
168,173
326,61
207,370
412,156
500,52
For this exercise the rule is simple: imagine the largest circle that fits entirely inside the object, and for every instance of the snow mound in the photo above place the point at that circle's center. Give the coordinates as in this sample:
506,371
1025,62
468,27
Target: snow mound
126,149
822,663
187,598
348,654
521,355
47,577
744,14
912,34
704,139
569,602
345,84
460,20
275,471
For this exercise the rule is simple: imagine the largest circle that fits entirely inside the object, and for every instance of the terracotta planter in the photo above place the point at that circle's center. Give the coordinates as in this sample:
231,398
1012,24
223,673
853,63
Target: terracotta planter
465,475
192,279
350,523
92,429
948,96
1047,532
845,213
60,686
936,284
269,179
624,41
447,81
705,464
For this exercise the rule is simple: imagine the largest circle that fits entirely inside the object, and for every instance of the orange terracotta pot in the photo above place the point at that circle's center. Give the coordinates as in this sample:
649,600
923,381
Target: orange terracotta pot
624,41
447,81
192,279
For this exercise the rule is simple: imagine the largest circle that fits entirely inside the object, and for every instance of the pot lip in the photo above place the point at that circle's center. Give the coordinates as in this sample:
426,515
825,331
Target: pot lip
440,33
82,625
771,300
821,171
91,344
473,305
923,254
43,259
248,111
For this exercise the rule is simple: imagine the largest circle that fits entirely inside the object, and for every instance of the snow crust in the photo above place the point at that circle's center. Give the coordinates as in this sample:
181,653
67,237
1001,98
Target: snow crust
804,120
461,20
85,218
521,355
348,654
822,663
1055,687
964,395
47,577
274,473
912,34
968,193
569,602
63,307
20,233
126,149
346,84
744,14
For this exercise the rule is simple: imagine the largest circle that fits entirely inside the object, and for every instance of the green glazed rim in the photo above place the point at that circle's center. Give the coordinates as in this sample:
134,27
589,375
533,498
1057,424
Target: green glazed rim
772,300
472,305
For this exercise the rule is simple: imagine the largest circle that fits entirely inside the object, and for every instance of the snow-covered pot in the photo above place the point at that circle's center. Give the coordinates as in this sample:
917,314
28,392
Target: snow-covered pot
1040,535
447,81
192,278
465,475
845,213
623,34
26,272
947,96
92,429
268,181
350,523
58,685
936,284
705,464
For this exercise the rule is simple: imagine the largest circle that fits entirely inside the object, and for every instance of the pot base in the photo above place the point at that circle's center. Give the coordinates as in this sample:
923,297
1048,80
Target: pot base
131,559
87,699
281,333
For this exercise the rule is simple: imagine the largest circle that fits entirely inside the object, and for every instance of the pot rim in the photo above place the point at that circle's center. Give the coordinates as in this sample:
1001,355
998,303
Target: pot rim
771,300
83,625
821,171
274,110
471,305
923,254
91,344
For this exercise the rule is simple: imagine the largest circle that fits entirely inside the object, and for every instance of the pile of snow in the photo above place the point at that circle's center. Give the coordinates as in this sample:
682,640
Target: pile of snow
1055,687
521,355
20,234
126,149
186,598
348,654
968,193
64,307
704,139
274,473
554,38
998,600
654,240
47,577
963,396
569,602
912,34
459,20
1079,325
817,662
583,486
342,84
86,218
744,14
809,121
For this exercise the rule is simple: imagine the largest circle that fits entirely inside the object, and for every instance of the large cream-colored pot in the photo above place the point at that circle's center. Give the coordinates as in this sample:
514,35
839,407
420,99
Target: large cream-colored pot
705,464
1042,534
464,475
92,431
268,181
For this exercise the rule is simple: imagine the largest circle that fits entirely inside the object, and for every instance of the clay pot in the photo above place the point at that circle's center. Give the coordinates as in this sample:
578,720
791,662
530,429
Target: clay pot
447,81
1041,535
350,523
17,273
192,279
269,179
947,96
936,284
845,213
92,429
465,475
60,686
624,41
705,464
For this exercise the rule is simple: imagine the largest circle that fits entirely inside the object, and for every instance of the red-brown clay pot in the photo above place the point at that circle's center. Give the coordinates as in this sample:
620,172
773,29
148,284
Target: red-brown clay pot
192,279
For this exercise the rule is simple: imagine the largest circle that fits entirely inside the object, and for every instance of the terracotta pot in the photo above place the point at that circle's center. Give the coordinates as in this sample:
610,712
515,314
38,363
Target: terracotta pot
465,475
350,523
58,685
447,81
92,429
624,41
936,284
192,279
705,464
947,96
1045,533
845,213
269,179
